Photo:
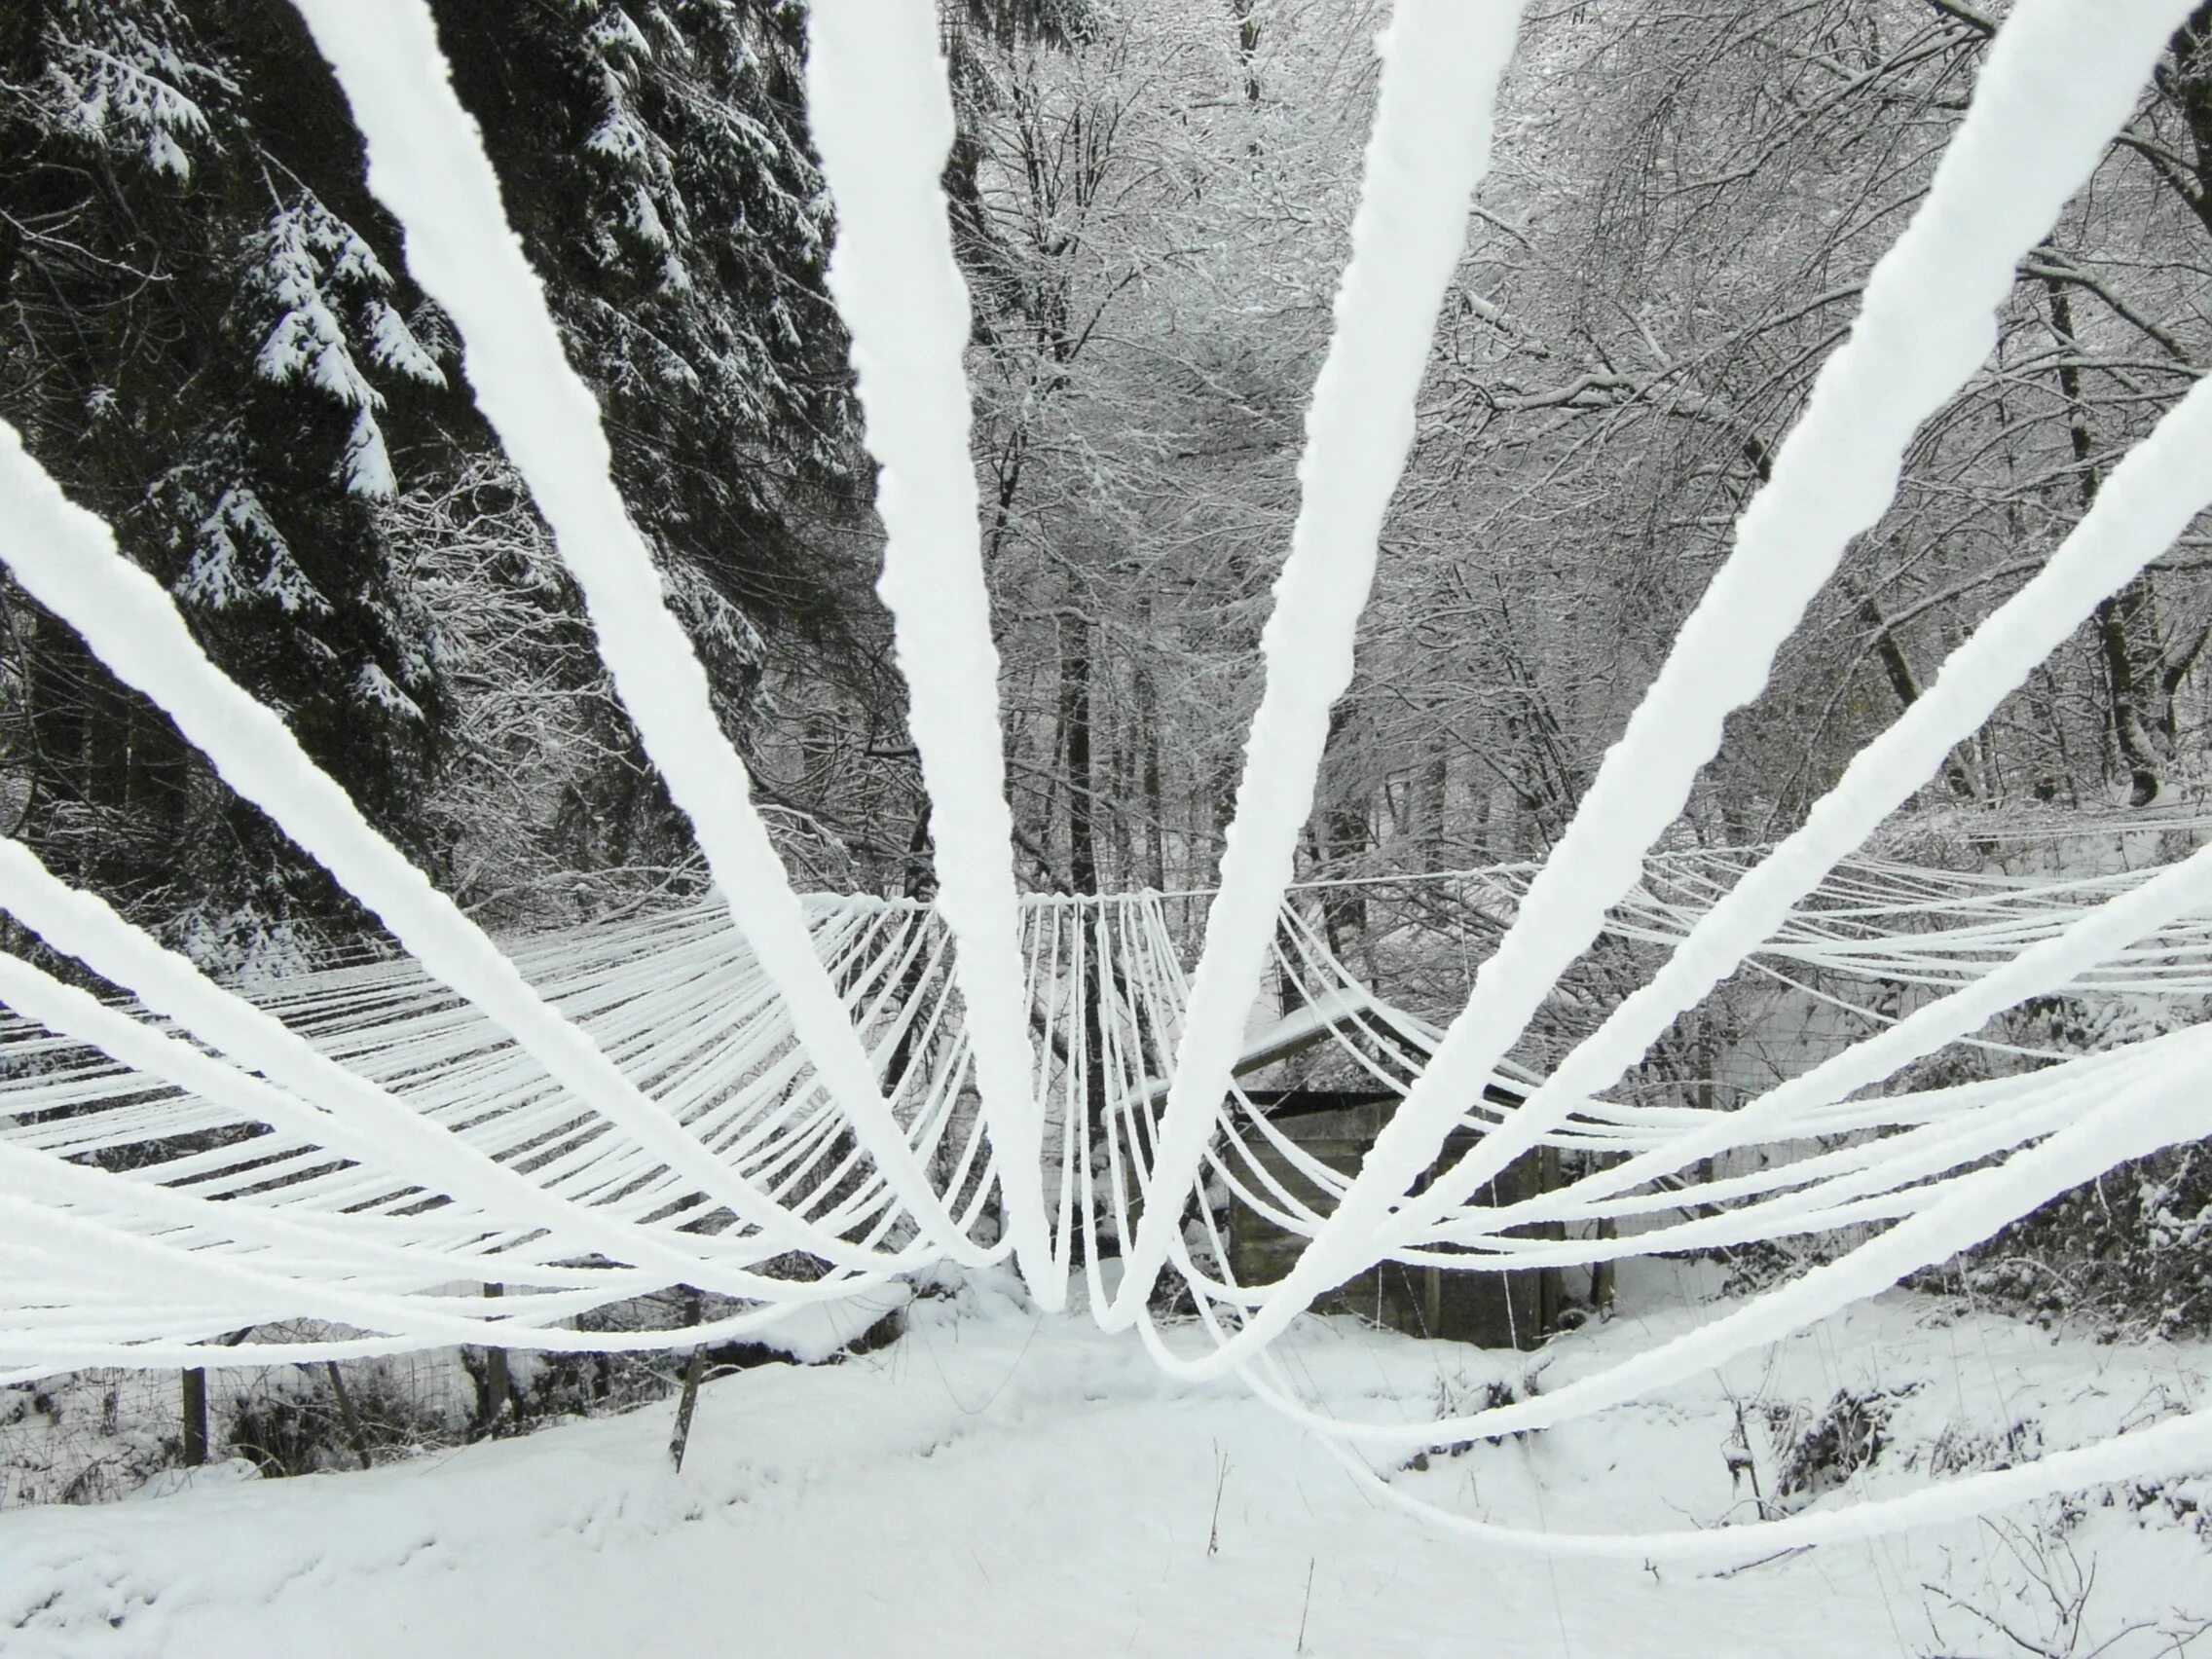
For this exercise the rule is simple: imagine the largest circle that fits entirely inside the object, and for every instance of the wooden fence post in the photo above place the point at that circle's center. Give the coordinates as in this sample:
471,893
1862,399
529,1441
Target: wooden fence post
496,1386
350,1417
195,1418
681,1436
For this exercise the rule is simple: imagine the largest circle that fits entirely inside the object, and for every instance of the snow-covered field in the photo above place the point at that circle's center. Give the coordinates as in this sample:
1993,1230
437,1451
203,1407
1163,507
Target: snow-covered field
1004,1482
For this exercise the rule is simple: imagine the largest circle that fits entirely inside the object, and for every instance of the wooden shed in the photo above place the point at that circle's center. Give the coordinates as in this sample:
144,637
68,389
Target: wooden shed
1489,1310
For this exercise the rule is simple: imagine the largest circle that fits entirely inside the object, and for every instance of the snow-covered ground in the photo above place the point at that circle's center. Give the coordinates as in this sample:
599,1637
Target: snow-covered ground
1004,1482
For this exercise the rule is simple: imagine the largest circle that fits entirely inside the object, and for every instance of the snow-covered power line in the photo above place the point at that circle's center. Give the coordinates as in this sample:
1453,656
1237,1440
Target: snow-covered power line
692,1097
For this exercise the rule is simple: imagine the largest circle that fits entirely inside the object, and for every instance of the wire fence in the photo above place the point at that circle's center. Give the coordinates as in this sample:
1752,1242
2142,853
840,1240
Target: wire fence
97,1435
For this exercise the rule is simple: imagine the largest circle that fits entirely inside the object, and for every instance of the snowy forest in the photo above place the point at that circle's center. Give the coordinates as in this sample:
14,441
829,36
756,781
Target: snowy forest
211,339
217,335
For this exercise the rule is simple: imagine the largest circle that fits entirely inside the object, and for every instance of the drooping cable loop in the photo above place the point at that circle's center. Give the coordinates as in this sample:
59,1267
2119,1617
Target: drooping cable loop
696,1096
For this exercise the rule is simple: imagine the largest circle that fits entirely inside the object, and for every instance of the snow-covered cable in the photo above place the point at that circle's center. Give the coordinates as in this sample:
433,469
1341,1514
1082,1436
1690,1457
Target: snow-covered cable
66,558
2147,503
881,115
427,165
2058,81
1442,62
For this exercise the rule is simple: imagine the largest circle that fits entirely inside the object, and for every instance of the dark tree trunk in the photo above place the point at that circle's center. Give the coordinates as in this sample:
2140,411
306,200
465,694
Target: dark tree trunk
1248,47
1898,668
1345,829
2127,622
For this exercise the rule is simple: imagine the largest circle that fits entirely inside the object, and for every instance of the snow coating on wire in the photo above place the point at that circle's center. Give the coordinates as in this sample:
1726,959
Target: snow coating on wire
426,164
901,293
2058,82
683,1098
1441,63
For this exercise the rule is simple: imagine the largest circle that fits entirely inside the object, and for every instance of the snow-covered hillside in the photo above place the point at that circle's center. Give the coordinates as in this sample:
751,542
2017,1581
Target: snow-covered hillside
1000,1481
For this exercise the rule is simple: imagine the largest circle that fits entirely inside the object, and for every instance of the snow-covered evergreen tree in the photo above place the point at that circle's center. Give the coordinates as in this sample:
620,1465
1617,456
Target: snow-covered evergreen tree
256,396
653,156
239,367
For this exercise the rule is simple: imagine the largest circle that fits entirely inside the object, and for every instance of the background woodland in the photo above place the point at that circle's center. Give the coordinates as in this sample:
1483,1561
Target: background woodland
207,333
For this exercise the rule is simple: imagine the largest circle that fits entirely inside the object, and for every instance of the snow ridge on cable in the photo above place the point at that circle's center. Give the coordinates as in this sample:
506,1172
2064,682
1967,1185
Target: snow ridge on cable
2058,82
881,114
1441,63
359,1148
426,164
